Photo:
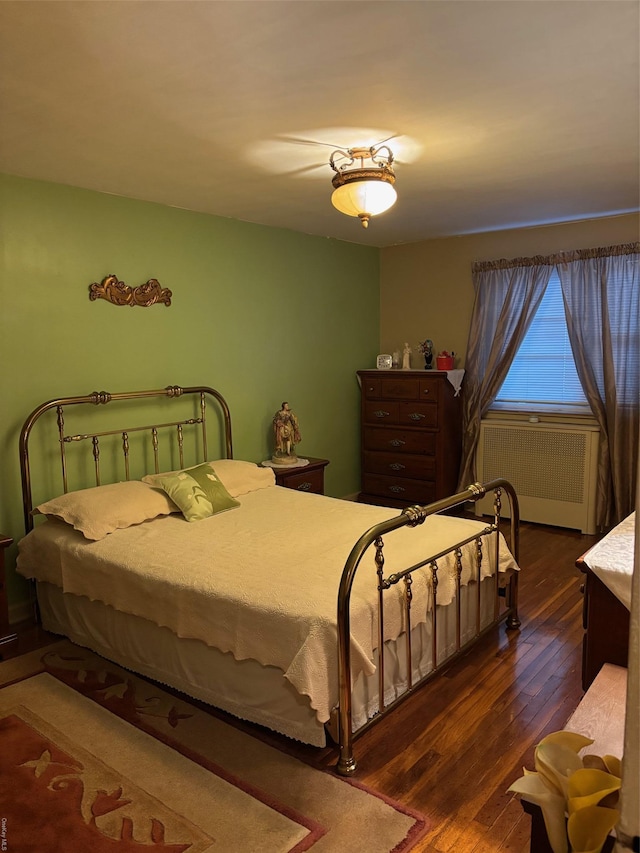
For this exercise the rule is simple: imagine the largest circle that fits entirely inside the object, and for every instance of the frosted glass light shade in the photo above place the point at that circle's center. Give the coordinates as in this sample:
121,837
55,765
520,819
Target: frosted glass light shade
364,198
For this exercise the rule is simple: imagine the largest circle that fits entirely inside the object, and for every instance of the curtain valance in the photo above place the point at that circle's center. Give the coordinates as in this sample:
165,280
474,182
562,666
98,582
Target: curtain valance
558,258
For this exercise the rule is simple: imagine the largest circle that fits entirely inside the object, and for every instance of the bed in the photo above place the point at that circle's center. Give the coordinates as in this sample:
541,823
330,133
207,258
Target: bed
310,615
608,571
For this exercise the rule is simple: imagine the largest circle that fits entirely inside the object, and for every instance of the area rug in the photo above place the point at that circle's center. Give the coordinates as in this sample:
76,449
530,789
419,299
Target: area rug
94,758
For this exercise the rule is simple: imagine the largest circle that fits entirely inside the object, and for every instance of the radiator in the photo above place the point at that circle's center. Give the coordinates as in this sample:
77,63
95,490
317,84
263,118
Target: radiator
553,468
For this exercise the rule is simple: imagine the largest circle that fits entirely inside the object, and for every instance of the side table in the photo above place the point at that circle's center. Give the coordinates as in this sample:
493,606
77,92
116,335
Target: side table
8,639
600,715
309,478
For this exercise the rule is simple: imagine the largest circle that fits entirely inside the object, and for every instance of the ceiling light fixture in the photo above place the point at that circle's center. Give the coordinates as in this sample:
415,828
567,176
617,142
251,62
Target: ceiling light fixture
364,191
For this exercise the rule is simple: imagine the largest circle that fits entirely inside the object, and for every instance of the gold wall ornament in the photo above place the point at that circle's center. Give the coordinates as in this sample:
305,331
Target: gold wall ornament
119,293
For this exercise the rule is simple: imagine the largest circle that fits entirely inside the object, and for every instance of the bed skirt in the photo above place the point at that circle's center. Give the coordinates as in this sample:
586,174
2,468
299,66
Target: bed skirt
246,689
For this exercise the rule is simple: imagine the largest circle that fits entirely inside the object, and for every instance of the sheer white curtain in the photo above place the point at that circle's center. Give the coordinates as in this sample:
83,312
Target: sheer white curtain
508,294
601,290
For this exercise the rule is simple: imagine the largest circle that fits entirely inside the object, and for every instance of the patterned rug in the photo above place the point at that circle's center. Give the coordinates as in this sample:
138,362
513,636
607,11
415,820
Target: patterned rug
94,758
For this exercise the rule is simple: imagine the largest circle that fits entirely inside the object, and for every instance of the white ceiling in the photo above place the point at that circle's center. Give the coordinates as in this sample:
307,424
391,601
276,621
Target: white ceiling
505,113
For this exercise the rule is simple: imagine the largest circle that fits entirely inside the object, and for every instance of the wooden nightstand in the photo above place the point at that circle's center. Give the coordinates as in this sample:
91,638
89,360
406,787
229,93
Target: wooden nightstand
7,638
310,478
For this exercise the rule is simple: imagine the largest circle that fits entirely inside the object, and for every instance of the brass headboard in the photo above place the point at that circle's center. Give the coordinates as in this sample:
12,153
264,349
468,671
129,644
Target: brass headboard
196,397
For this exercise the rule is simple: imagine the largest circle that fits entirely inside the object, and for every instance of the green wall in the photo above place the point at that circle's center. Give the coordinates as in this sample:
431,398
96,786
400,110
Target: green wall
261,314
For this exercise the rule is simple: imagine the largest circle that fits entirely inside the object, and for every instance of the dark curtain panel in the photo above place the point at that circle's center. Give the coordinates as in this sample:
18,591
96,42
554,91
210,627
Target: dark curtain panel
601,296
508,294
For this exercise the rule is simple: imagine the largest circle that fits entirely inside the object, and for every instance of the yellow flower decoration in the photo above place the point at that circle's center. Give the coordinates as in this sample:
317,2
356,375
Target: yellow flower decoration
564,783
589,787
588,828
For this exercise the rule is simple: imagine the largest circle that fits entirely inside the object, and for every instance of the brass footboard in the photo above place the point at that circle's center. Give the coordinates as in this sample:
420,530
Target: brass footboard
505,604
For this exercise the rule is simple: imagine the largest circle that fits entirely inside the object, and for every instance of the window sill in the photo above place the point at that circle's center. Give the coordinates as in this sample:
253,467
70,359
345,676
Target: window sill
557,415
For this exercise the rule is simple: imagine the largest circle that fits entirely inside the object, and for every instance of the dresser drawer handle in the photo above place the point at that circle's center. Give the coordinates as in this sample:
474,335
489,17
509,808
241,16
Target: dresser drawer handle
396,489
396,466
304,487
417,416
397,442
381,414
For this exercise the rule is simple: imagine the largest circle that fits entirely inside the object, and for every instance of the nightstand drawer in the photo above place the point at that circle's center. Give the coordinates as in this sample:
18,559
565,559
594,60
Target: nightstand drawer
309,478
306,481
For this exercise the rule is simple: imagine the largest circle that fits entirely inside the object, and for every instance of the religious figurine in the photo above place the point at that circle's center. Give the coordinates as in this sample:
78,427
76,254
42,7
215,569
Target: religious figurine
287,435
406,357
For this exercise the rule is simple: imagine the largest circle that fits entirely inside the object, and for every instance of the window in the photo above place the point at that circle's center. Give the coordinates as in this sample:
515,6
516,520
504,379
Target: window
543,375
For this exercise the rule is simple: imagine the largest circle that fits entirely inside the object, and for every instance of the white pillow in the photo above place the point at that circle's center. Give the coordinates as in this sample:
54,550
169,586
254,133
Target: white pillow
238,477
241,477
98,511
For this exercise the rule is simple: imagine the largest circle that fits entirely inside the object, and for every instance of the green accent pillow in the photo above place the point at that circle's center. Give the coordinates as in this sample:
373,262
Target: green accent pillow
197,492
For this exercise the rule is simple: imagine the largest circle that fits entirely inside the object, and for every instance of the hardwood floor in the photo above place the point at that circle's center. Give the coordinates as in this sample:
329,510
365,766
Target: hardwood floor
456,746
453,748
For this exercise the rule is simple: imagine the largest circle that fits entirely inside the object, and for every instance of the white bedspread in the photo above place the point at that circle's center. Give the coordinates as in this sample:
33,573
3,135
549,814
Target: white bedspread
611,559
259,581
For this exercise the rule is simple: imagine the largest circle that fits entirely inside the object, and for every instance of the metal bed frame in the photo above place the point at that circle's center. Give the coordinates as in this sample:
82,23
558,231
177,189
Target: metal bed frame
505,608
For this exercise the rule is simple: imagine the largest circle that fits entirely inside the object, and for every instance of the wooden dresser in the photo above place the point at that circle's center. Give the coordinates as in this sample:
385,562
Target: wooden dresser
411,436
605,620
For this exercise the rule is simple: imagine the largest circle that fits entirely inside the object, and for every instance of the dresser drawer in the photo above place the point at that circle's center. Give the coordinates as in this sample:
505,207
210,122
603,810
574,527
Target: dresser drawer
381,412
418,414
390,412
402,388
399,488
430,388
400,440
370,388
399,465
399,388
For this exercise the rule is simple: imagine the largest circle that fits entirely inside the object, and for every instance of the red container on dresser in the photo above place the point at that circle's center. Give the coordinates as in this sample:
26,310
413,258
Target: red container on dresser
444,362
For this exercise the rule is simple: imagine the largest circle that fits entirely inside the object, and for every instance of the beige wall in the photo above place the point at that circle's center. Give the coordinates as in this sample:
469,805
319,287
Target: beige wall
426,289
